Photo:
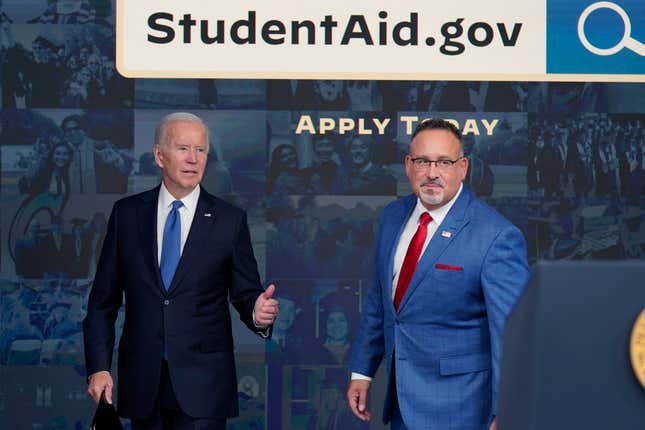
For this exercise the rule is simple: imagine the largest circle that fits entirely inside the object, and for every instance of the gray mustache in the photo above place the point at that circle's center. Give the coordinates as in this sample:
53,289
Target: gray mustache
434,182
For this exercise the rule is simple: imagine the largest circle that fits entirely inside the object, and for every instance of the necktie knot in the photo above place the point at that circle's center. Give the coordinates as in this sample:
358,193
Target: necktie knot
177,204
425,219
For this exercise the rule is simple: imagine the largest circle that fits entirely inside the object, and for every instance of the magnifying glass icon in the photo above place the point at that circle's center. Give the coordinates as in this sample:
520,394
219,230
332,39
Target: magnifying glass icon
626,41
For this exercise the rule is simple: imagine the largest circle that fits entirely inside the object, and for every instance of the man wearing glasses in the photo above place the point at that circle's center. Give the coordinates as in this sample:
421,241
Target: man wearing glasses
448,269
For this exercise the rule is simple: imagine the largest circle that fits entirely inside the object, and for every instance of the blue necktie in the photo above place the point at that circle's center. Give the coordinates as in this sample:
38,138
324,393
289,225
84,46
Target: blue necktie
170,248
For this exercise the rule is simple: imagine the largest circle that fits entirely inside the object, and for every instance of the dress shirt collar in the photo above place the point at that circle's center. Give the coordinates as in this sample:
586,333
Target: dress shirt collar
190,201
438,214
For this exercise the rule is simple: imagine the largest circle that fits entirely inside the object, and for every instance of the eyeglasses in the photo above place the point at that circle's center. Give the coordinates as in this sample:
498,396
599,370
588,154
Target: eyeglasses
421,163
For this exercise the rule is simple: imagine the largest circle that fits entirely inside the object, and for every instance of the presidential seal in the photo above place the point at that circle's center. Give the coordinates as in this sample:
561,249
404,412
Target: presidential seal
637,348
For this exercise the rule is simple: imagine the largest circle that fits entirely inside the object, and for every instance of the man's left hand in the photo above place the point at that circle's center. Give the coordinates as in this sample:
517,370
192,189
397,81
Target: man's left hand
266,308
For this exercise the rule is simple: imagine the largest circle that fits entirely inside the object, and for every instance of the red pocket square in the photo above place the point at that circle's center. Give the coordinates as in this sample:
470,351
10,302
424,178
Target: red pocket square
448,267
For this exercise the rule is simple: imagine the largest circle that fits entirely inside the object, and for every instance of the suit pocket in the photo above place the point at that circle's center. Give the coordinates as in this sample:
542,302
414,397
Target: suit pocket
464,364
447,275
468,384
448,267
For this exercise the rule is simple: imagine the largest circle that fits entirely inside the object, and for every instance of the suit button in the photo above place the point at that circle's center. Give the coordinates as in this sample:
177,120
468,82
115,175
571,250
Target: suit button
166,302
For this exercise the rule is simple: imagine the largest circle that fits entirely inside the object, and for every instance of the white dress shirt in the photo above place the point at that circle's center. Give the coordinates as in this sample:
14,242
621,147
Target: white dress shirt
186,213
438,215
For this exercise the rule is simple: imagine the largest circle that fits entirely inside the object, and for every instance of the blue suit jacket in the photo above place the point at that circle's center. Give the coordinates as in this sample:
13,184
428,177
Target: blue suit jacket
445,338
191,320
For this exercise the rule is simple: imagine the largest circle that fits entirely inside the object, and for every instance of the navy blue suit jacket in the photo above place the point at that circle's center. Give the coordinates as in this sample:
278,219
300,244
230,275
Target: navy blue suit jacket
445,340
191,320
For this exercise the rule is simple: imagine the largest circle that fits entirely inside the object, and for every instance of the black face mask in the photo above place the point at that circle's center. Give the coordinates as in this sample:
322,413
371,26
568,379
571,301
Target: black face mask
105,417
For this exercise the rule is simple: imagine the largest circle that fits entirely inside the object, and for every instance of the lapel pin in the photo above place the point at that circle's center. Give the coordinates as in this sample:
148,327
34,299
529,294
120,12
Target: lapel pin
208,214
446,233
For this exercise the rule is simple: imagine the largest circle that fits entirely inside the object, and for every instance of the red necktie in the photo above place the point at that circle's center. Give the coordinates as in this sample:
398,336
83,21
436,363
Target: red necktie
411,258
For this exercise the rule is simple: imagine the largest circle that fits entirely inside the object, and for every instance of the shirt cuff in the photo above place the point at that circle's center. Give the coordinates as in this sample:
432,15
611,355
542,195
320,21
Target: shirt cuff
360,376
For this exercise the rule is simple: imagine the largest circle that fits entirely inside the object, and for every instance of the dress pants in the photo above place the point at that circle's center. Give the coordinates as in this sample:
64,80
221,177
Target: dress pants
167,414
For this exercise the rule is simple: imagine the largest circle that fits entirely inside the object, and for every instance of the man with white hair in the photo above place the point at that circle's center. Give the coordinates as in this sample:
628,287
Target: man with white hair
177,254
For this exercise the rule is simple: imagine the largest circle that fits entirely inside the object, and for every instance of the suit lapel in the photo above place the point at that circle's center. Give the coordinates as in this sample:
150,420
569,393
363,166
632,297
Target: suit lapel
147,211
204,218
391,235
453,223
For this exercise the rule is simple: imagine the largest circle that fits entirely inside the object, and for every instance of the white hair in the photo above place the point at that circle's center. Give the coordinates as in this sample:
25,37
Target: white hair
161,131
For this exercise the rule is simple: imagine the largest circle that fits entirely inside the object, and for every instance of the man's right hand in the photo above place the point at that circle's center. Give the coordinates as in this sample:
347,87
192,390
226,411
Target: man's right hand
357,398
100,381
